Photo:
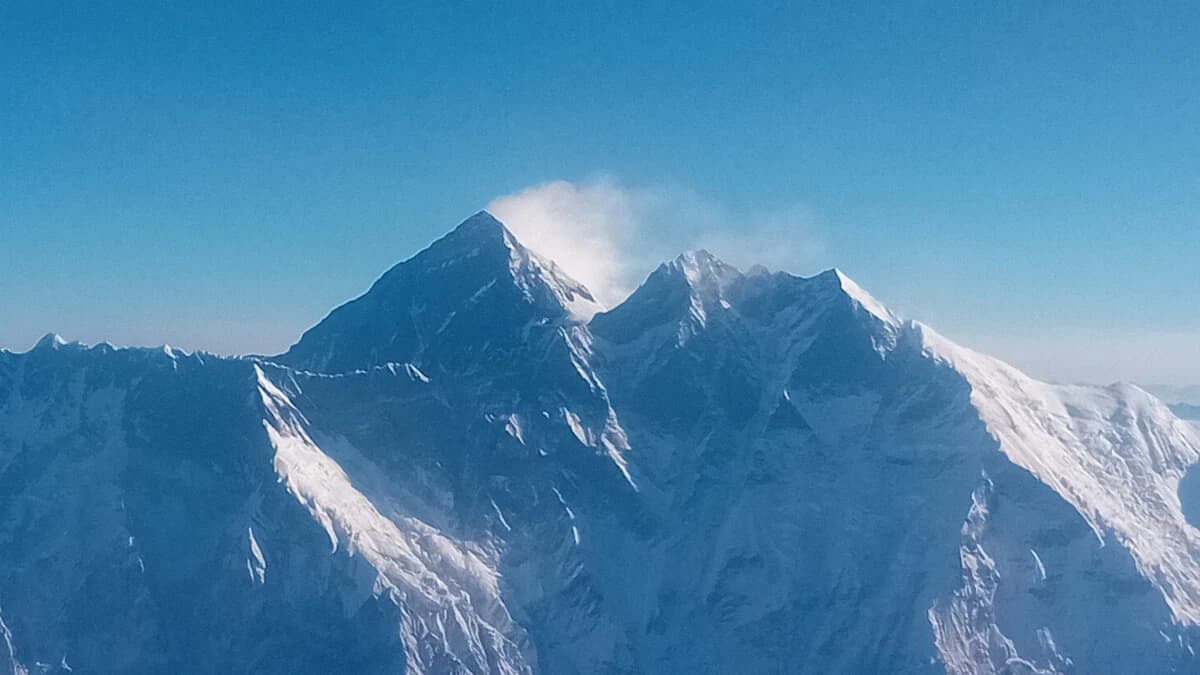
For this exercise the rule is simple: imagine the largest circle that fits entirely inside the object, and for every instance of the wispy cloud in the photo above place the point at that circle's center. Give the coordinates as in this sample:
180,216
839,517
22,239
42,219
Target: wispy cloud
609,235
586,228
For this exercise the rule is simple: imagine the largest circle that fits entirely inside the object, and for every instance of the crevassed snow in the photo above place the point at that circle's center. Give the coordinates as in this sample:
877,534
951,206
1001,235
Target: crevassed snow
965,627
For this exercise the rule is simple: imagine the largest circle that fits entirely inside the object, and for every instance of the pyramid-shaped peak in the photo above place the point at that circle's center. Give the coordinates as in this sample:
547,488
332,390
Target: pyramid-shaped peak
479,233
50,341
481,224
480,244
475,287
55,342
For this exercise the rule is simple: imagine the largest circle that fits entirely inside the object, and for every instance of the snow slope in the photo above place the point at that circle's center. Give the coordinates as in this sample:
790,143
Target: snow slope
473,469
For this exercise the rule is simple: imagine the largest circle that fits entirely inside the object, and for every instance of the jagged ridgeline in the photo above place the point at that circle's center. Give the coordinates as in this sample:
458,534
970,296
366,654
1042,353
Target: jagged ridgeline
475,468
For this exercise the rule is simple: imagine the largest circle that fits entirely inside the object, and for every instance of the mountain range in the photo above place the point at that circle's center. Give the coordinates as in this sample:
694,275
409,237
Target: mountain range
1183,400
475,467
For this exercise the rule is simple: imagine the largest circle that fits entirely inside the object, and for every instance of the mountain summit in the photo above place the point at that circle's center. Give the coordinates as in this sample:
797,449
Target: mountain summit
472,468
476,284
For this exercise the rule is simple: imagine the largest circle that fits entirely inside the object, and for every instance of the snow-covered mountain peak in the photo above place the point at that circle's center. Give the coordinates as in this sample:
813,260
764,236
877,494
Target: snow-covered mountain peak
481,224
475,289
529,270
482,244
695,289
685,293
50,341
708,276
702,267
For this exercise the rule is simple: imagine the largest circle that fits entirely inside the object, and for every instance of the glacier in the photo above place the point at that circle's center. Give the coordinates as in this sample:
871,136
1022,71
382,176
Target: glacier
476,468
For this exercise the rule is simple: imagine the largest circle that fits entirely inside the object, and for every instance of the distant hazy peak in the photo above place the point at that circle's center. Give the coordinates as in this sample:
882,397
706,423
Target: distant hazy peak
1175,393
50,341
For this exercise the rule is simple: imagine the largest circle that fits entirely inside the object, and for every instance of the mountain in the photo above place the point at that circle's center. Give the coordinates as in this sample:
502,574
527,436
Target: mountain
474,468
1186,411
477,293
1173,394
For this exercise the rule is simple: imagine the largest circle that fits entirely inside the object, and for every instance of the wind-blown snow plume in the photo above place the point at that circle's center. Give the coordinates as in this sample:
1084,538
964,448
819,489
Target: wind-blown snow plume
583,227
609,235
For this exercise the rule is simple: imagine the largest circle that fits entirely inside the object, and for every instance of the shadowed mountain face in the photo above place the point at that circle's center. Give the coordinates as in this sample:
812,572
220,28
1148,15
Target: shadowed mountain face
470,469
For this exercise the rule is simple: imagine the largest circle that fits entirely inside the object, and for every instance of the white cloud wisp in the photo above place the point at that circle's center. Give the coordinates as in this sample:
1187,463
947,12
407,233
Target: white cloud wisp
609,236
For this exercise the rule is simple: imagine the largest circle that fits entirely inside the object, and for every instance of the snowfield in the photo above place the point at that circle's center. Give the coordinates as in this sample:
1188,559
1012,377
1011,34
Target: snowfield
474,468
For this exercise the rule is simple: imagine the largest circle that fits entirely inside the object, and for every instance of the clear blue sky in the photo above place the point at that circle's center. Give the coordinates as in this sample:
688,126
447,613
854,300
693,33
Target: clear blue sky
1021,175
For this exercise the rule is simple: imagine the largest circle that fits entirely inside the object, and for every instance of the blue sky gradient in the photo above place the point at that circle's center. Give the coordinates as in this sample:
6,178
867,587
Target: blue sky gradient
1024,176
